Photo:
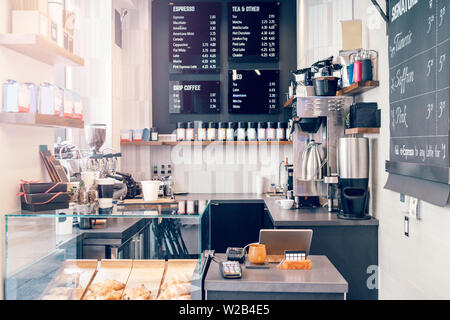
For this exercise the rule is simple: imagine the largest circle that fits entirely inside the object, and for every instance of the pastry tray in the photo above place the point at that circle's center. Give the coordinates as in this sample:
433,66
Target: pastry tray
148,273
87,270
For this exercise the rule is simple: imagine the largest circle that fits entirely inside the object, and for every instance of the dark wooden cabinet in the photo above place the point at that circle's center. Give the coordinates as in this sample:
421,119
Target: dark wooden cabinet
235,224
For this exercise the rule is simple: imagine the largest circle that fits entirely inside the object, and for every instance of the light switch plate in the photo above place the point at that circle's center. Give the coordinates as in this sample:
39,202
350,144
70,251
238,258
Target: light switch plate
414,208
407,226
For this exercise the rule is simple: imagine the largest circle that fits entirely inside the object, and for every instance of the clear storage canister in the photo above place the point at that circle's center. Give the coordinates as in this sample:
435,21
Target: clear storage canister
181,131
212,128
241,131
190,132
270,133
251,131
201,136
230,131
262,127
281,131
222,131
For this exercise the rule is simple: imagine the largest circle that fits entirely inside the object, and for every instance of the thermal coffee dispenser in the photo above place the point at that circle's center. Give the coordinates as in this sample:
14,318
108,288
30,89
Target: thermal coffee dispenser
353,168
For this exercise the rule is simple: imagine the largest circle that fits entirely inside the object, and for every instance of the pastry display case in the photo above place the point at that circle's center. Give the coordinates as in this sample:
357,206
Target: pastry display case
142,252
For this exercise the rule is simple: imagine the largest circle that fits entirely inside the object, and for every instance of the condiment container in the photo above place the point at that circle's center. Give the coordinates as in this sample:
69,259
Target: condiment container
270,133
46,99
212,128
222,131
367,68
59,101
201,135
181,131
154,136
251,131
190,132
241,131
68,104
230,131
357,72
77,106
262,128
281,131
137,134
126,135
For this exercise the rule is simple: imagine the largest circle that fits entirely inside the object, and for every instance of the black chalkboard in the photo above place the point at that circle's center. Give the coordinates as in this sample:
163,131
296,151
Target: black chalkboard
194,37
194,97
253,31
253,91
419,59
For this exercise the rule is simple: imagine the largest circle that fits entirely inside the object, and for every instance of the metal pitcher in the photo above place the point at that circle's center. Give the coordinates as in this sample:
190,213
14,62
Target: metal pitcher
311,162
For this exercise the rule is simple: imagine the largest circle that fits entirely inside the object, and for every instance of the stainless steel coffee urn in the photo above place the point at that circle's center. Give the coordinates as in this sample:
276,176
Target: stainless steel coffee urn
353,169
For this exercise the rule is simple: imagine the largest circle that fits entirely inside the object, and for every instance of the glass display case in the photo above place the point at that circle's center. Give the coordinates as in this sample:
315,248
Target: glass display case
137,252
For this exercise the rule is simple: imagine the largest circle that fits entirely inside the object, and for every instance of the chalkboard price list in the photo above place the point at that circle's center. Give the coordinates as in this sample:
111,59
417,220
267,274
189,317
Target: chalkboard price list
253,91
419,49
194,97
253,31
194,37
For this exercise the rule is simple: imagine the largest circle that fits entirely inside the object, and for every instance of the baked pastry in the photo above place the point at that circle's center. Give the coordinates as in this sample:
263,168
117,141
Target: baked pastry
176,279
107,290
62,291
140,293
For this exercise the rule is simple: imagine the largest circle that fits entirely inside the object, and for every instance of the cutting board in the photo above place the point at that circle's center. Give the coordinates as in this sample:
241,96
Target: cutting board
142,201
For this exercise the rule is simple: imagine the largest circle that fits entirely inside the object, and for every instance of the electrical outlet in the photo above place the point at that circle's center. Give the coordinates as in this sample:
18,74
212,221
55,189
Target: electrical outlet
406,226
414,211
404,203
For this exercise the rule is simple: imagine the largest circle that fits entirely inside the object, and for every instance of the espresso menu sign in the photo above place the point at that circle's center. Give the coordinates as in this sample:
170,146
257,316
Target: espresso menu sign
253,91
194,97
194,37
253,31
419,57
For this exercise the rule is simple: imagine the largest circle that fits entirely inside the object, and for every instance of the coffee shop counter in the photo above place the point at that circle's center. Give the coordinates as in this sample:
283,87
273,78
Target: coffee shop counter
280,217
323,281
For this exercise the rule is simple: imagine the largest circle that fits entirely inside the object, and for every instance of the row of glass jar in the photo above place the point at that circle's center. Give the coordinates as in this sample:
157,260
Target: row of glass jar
233,131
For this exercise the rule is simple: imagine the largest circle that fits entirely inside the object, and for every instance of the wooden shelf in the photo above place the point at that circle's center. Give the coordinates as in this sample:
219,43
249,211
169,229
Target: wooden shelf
40,120
362,131
358,88
41,49
204,143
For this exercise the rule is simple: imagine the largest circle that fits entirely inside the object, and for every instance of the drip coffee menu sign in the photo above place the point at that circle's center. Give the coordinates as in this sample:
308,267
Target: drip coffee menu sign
253,91
194,37
419,56
194,97
253,31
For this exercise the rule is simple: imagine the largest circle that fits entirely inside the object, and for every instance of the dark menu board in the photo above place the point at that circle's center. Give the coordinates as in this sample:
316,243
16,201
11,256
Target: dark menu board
194,97
194,37
419,57
253,31
253,91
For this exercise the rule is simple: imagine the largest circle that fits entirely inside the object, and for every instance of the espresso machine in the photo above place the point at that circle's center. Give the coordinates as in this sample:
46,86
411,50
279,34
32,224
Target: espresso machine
319,125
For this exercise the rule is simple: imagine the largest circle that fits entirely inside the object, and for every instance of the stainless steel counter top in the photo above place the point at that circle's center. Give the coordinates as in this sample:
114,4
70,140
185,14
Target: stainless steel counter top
323,277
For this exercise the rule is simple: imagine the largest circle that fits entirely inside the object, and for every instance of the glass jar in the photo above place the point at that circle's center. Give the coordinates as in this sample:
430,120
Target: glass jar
181,131
241,131
230,131
270,133
281,131
251,131
212,128
154,136
190,132
201,136
262,127
222,131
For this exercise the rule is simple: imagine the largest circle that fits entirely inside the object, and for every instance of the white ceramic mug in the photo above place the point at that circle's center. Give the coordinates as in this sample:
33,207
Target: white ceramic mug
150,189
286,204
